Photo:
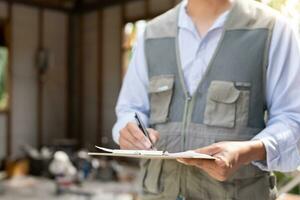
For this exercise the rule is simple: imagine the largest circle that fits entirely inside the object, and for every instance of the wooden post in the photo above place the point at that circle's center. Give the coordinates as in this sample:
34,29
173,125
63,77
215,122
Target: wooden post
81,82
10,84
40,83
147,9
99,78
67,88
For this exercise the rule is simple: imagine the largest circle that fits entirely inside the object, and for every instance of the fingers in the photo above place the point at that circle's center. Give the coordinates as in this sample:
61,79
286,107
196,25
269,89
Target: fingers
223,162
208,166
215,168
126,141
131,137
154,135
200,163
227,160
138,136
126,144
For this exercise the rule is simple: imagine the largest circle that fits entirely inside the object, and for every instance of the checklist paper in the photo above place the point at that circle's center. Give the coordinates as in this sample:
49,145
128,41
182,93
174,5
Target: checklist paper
150,154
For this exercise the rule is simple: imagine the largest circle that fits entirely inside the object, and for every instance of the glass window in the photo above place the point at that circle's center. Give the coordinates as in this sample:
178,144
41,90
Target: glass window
3,70
131,33
289,8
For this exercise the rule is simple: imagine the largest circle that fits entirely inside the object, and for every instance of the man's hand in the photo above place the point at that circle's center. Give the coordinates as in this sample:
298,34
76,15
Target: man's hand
132,138
230,156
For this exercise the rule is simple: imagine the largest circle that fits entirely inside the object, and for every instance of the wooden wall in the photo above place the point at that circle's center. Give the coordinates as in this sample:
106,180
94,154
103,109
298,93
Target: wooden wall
79,91
24,75
27,27
3,132
54,124
111,64
107,60
90,75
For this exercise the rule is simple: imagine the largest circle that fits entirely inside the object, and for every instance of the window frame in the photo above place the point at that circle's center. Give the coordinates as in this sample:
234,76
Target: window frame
125,49
5,23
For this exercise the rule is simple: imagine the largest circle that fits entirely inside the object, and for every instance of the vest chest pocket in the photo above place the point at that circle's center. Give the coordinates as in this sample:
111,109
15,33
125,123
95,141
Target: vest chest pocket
222,104
161,91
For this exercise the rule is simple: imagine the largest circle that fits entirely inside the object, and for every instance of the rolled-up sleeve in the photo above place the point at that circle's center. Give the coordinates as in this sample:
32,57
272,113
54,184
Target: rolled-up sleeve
282,133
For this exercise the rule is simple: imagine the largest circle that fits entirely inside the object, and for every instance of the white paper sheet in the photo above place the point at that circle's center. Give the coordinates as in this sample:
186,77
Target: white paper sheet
150,154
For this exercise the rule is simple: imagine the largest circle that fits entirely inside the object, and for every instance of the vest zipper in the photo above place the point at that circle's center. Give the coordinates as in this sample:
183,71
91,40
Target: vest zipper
185,120
183,141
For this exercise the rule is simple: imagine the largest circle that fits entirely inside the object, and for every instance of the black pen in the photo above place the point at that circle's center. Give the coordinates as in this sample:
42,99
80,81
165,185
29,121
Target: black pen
143,128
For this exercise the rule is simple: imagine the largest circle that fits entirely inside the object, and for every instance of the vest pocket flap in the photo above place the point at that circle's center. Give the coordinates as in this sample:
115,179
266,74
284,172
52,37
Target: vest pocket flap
161,92
161,83
223,92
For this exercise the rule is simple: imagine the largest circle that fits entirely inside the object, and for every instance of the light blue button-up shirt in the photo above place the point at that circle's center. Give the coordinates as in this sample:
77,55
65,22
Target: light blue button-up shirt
282,133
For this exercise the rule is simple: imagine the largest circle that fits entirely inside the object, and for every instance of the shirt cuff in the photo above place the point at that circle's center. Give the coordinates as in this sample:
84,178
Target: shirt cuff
271,152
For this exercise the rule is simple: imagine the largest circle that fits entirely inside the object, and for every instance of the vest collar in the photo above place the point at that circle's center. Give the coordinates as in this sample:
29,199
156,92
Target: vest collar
185,21
240,16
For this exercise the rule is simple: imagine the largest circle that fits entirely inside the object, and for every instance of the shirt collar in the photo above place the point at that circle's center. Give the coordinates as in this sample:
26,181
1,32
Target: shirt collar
186,22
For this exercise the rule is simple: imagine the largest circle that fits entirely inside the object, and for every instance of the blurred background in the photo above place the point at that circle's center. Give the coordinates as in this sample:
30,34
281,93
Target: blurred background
61,68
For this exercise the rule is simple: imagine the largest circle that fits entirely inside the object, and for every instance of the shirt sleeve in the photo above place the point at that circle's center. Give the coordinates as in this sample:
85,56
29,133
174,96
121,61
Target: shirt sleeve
133,96
282,132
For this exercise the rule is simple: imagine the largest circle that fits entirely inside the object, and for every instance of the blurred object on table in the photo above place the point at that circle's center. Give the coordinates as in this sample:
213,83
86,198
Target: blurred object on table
288,197
17,168
38,160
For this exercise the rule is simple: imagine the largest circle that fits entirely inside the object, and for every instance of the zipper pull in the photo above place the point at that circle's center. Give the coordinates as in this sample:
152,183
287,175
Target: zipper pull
188,98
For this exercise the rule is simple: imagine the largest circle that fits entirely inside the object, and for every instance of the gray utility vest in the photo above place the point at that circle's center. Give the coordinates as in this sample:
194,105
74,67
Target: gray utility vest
227,106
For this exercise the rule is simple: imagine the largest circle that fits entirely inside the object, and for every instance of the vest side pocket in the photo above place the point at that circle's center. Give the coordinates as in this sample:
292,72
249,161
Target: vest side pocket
161,92
221,104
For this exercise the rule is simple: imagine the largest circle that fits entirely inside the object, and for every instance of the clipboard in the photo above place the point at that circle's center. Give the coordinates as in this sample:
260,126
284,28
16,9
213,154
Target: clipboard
141,154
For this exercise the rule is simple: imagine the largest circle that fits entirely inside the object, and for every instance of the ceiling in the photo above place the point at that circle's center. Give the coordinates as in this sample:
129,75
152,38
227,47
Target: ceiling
70,5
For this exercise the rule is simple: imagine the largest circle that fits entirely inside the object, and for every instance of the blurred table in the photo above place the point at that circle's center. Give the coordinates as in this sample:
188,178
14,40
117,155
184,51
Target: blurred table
30,188
289,197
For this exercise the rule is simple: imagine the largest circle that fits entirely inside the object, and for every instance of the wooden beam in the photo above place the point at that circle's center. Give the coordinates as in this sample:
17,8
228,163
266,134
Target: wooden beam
174,2
147,8
10,84
87,7
40,83
40,5
102,4
123,23
74,48
77,5
143,17
99,78
67,77
70,134
81,82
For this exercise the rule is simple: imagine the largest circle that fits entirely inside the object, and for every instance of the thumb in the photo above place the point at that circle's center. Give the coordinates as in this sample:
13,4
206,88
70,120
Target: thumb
222,161
209,150
154,135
